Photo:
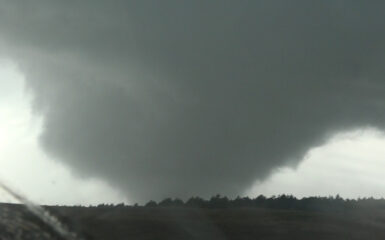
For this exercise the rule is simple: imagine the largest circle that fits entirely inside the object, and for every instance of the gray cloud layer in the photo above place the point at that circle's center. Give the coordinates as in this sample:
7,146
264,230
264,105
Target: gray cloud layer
181,98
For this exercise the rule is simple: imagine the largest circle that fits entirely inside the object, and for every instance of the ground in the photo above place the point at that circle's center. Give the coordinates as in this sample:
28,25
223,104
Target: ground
235,223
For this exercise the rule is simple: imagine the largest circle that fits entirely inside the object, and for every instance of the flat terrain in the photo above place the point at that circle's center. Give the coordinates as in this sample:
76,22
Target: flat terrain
180,223
238,224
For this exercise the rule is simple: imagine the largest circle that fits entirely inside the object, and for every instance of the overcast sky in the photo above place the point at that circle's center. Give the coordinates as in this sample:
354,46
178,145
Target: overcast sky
151,99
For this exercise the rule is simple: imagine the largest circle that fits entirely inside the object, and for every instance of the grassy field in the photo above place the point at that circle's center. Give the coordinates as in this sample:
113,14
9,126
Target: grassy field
238,223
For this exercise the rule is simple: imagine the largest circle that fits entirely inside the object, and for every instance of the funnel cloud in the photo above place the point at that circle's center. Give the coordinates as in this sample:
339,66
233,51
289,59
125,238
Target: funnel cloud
182,98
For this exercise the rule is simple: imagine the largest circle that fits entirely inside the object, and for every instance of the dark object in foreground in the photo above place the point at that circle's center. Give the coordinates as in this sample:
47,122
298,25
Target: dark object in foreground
115,223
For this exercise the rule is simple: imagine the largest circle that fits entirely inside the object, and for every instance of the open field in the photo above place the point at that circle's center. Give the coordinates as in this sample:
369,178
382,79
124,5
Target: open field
179,223
241,224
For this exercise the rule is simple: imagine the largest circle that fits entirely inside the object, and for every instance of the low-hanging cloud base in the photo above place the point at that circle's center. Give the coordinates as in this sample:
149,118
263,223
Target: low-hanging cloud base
180,98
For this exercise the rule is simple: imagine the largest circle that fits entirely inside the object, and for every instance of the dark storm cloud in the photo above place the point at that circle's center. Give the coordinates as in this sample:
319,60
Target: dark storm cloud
181,98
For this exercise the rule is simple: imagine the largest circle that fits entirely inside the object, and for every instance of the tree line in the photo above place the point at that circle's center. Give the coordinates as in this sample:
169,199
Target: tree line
284,202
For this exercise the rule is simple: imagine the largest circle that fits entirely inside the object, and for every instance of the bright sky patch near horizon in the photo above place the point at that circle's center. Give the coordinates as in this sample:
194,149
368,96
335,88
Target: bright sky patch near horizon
351,164
23,164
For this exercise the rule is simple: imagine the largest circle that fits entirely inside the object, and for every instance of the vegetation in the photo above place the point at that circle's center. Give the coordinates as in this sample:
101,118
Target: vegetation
284,202
276,217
